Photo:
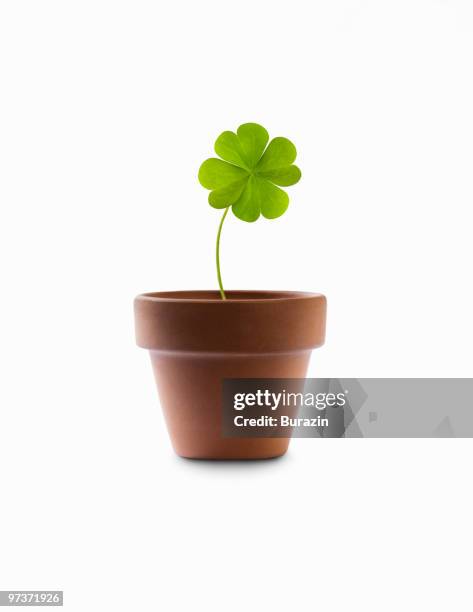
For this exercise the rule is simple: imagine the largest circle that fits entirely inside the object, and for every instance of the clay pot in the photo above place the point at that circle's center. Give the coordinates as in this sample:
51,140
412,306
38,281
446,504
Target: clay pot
196,340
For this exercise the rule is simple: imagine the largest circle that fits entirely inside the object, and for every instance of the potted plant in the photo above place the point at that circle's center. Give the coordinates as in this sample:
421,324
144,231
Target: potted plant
196,339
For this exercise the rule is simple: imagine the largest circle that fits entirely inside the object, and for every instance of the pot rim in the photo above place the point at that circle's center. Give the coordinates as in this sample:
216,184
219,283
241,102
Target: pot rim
212,296
248,322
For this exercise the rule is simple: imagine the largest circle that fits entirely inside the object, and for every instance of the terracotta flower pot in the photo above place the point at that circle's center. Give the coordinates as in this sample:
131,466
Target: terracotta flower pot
196,340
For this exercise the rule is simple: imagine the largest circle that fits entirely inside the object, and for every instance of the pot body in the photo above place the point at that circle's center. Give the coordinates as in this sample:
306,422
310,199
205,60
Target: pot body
196,340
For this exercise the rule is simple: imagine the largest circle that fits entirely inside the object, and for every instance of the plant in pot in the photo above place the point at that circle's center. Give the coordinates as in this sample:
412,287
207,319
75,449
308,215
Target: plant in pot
196,339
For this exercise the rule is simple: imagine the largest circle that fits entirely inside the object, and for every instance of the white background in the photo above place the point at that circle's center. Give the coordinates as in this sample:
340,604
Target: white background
107,111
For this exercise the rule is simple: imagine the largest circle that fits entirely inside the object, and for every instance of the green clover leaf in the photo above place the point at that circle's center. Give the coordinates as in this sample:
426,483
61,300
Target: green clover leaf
249,174
247,177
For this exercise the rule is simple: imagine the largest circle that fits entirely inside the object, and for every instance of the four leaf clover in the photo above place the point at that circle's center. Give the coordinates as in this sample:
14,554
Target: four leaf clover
249,172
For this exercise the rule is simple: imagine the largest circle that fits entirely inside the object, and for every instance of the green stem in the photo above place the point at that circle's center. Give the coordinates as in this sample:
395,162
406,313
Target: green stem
219,276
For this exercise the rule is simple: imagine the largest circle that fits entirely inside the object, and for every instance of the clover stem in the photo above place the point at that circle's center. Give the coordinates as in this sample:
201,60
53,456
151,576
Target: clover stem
219,276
